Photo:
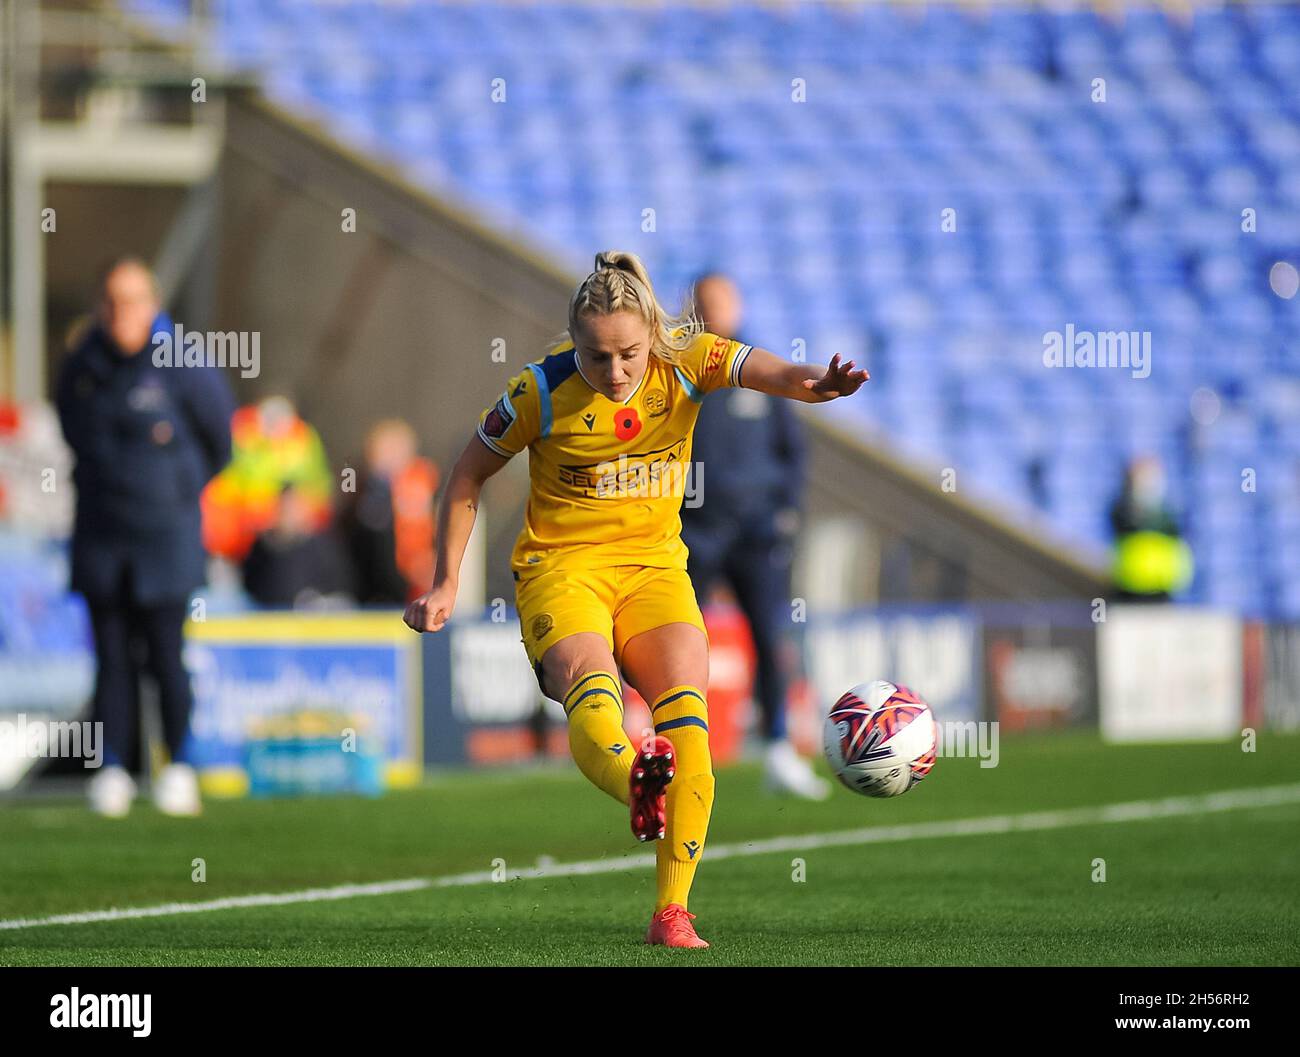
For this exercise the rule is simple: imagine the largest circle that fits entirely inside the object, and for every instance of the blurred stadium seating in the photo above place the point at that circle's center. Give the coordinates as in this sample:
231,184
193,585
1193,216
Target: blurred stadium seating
1125,214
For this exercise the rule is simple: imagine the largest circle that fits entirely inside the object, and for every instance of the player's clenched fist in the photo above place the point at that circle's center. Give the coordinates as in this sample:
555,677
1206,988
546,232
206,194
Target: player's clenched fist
430,611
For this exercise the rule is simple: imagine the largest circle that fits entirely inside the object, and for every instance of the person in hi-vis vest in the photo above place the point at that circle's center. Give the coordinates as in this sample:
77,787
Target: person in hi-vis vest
1152,562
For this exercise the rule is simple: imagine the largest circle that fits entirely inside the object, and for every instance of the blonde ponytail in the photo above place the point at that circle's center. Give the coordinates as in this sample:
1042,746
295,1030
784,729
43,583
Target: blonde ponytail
620,283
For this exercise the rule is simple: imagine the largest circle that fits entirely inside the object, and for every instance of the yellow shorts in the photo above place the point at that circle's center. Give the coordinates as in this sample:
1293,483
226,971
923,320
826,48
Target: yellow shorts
618,602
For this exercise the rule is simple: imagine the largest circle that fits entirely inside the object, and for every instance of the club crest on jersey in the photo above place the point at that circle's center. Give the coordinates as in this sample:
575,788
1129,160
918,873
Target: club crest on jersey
627,423
498,420
656,403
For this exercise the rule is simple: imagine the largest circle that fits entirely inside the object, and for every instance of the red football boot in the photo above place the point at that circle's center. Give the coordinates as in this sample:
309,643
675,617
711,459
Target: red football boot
652,770
672,927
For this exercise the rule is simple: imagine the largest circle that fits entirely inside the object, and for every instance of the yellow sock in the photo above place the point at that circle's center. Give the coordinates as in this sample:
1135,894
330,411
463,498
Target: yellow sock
600,746
681,716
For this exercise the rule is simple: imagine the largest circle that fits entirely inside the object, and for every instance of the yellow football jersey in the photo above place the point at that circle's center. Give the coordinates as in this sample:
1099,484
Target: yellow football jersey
608,477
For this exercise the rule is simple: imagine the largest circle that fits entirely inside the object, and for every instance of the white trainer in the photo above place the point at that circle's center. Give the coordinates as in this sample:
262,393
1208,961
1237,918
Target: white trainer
111,791
176,792
788,772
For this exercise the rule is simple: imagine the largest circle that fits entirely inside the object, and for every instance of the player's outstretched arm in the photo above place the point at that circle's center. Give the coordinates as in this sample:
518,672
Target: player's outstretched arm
456,517
768,373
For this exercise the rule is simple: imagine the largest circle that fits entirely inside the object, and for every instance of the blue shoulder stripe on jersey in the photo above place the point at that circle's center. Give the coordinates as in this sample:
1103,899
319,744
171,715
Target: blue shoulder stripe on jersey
551,373
543,399
559,366
691,391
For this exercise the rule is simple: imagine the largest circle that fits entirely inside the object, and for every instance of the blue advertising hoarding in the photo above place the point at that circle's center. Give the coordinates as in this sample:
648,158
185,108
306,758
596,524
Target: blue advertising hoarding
319,673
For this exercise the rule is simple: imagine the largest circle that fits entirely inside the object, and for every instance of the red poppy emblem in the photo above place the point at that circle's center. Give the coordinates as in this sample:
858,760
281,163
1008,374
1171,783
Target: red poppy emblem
627,424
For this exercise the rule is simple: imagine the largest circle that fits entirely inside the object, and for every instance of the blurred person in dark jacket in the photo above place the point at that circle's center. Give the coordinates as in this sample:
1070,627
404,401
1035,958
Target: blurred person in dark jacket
751,450
389,520
146,439
295,564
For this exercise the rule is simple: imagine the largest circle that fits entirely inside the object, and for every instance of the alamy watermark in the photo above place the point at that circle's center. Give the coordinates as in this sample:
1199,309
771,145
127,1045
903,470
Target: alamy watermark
211,348
1125,349
960,740
91,1010
49,739
653,479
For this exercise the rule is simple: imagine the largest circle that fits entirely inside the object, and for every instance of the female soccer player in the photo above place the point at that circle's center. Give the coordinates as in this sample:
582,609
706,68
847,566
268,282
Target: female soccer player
600,568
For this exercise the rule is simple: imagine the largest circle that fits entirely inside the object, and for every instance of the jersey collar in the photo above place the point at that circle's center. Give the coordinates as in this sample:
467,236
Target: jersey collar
577,362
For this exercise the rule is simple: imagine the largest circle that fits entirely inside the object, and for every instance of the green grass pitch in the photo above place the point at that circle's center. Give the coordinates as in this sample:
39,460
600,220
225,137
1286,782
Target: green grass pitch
1204,889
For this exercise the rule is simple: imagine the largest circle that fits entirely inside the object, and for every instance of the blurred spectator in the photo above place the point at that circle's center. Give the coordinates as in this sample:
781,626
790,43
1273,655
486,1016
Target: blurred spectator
389,520
273,447
1151,560
750,447
295,563
146,439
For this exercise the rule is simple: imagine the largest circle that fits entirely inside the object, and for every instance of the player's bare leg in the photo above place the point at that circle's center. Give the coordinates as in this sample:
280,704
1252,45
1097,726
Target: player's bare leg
669,666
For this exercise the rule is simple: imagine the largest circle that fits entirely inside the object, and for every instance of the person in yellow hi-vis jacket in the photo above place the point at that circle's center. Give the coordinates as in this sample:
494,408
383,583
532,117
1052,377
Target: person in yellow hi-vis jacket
600,566
1151,561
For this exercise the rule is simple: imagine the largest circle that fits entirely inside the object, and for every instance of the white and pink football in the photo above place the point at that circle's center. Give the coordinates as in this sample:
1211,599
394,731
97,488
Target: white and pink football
880,739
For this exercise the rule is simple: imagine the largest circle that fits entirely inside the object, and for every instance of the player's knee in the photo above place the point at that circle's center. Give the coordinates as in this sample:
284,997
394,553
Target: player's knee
570,660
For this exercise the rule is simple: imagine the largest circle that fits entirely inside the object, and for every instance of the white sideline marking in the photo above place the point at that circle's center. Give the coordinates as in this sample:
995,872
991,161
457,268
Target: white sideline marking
1133,811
